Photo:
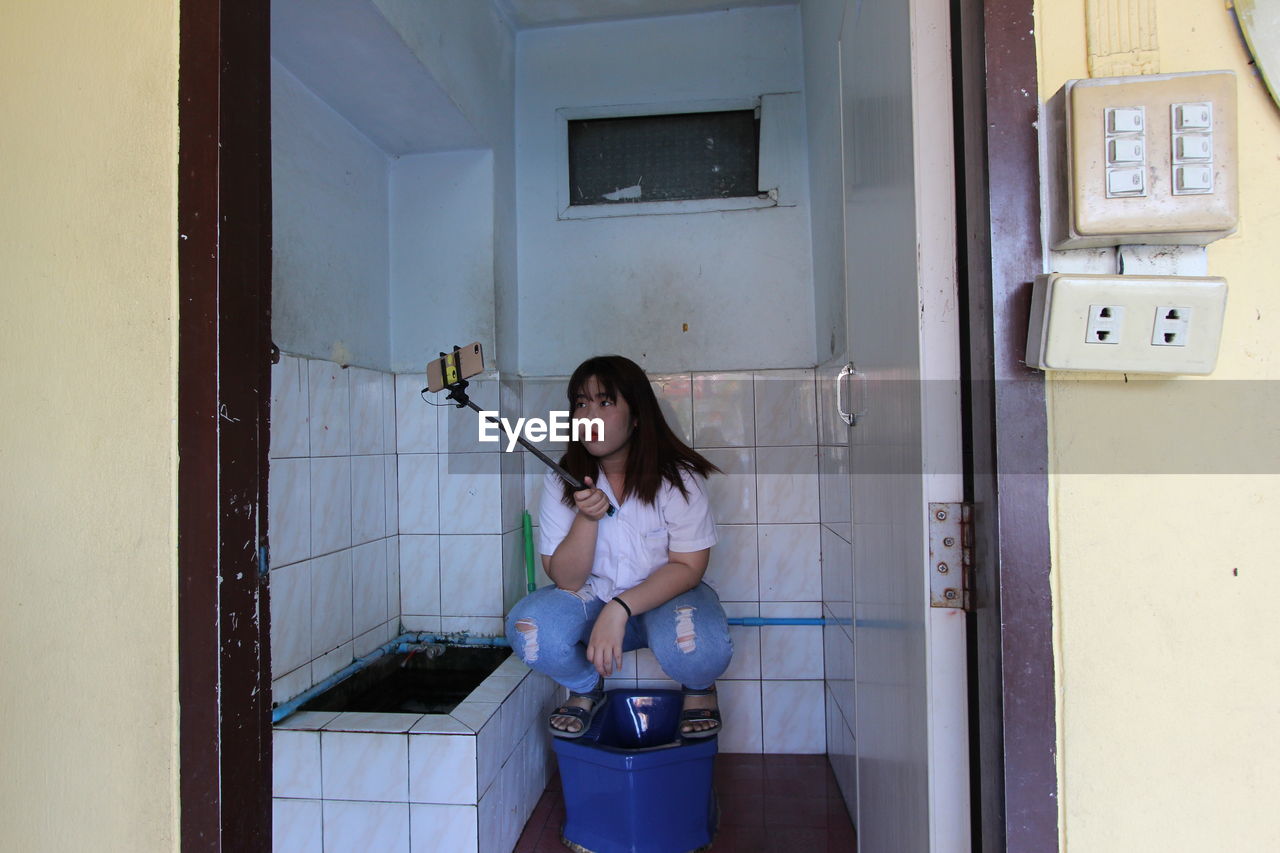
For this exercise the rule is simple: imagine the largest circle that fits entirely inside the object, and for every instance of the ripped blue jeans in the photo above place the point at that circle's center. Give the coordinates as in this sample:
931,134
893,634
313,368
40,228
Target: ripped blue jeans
689,635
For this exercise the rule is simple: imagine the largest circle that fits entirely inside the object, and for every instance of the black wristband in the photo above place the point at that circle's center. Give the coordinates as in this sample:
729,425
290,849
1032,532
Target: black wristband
624,605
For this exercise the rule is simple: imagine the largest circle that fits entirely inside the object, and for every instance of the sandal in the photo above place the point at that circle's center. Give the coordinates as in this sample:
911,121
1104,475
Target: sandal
696,715
584,716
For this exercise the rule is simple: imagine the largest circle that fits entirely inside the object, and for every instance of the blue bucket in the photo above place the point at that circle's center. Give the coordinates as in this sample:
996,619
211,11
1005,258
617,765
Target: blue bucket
632,784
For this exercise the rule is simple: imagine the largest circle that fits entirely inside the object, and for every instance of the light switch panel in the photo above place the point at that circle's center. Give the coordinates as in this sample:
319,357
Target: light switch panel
1148,159
1133,324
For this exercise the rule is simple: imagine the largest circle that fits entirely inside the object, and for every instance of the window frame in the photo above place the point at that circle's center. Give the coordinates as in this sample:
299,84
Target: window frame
772,193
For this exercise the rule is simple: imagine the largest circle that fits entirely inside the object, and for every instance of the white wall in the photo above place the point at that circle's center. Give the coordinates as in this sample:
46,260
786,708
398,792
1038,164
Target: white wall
740,280
468,48
329,222
822,25
442,282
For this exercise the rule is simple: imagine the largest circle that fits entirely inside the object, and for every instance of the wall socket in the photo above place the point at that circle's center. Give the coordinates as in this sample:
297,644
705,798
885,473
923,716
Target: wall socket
1106,324
1170,326
1129,323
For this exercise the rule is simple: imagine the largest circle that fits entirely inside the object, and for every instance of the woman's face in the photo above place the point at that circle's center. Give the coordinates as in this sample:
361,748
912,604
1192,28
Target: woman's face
592,402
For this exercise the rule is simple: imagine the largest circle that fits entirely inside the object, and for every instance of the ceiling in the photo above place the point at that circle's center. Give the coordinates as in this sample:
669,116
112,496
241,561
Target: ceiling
347,53
528,14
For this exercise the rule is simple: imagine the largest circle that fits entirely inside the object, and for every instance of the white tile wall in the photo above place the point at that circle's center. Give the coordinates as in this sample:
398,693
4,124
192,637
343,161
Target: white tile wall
297,826
785,408
289,510
733,494
675,396
436,827
723,410
420,575
789,562
442,769
471,576
791,651
330,409
418,481
290,414
365,766
366,410
333,519
350,827
740,709
290,590
369,586
331,601
787,484
733,570
330,504
331,662
794,716
295,764
415,419
368,498
470,492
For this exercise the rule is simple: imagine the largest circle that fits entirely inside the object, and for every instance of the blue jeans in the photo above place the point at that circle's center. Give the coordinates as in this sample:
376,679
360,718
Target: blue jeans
689,635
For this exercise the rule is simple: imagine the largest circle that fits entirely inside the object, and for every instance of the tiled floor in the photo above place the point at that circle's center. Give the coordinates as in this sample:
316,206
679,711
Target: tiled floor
768,804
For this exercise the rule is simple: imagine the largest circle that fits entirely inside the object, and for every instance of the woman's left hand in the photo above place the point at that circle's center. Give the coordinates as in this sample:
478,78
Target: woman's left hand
604,648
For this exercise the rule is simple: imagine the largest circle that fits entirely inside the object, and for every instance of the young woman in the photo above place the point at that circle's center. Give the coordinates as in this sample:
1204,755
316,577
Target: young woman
632,579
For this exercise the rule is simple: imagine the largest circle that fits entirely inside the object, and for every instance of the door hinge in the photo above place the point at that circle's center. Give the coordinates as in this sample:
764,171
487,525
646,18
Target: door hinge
950,555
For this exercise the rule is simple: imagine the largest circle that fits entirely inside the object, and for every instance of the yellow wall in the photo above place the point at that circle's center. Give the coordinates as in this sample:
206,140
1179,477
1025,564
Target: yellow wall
88,677
1167,647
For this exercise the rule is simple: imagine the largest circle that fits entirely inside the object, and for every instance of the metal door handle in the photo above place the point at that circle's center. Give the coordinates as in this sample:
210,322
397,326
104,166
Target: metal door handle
849,418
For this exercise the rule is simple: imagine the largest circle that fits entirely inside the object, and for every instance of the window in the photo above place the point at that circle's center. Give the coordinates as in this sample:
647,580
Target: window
631,159
689,157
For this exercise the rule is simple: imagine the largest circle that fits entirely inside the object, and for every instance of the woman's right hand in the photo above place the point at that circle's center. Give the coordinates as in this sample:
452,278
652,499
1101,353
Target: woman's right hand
590,501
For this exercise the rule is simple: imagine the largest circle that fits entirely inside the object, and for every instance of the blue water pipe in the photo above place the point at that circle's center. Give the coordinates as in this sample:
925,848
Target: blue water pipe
409,641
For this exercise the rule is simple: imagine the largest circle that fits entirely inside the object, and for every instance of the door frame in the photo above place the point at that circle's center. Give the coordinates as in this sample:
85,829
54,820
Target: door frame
1012,693
224,386
224,284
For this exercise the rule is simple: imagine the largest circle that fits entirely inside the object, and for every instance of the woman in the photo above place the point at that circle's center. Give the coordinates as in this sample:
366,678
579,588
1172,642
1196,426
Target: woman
631,579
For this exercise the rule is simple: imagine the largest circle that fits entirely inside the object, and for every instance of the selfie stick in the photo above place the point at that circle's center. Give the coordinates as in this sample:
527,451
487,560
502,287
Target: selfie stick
458,393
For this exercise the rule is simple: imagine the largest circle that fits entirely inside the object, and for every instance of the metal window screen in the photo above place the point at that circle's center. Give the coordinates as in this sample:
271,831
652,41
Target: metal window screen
664,157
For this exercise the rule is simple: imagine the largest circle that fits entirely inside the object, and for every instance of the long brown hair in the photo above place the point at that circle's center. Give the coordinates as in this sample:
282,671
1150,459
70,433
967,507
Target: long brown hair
654,453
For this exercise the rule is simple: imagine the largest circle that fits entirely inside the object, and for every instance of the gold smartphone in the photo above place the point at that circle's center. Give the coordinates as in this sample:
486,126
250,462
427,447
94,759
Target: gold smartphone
462,363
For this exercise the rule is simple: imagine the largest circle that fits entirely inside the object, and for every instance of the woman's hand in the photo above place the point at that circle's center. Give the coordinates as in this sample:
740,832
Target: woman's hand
604,648
590,501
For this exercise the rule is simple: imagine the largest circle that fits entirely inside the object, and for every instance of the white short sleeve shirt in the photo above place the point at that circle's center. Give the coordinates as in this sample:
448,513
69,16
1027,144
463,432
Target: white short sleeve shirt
636,539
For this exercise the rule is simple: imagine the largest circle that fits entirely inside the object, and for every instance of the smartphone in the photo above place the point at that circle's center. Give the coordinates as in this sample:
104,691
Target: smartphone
462,363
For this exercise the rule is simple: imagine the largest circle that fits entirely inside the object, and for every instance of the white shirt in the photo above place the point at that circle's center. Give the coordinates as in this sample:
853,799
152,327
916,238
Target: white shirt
635,541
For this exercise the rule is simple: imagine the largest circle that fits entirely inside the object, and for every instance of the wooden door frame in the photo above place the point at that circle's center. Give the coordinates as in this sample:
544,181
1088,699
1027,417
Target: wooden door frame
224,339
1014,743
224,386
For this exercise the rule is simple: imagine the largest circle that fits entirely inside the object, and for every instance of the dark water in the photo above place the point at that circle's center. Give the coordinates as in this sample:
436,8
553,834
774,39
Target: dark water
422,686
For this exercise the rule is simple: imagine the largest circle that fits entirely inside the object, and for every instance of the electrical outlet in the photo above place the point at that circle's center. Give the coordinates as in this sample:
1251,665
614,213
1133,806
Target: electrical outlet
1106,323
1129,323
1170,327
